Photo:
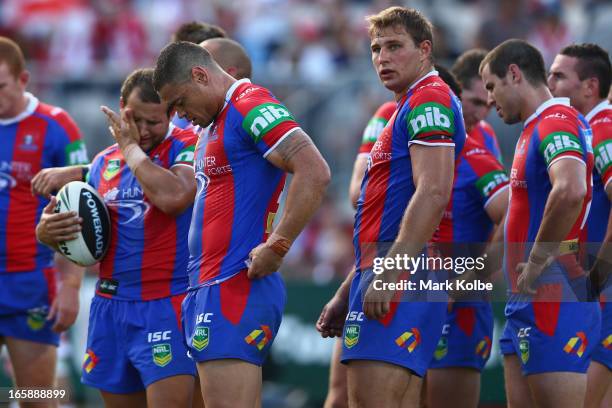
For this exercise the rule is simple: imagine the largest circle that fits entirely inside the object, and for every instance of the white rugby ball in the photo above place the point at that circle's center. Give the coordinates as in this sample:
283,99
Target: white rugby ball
93,240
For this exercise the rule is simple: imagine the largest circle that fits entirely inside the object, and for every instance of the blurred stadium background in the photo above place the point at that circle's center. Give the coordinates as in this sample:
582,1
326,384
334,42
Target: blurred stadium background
314,55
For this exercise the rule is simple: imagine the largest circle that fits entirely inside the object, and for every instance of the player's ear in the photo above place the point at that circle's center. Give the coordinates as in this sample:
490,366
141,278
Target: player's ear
121,102
425,50
514,74
200,75
592,86
23,78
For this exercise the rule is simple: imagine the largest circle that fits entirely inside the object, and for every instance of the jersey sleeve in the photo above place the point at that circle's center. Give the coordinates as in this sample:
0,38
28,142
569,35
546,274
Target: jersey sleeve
493,143
95,169
70,144
559,139
183,149
375,126
265,120
602,149
432,119
490,175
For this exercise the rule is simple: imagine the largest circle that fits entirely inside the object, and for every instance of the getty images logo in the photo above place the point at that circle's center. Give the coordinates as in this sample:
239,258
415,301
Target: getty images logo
430,116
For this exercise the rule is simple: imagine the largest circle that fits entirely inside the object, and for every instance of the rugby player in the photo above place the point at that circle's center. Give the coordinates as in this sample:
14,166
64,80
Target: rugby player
548,339
410,166
135,350
32,312
234,308
582,73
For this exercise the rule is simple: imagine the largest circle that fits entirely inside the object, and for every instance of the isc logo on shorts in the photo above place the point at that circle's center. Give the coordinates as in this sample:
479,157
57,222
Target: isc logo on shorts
158,336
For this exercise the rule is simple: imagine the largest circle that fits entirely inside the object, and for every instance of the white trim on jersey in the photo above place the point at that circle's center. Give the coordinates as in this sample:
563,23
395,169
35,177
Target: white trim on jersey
546,105
601,106
565,157
420,142
30,108
275,145
495,194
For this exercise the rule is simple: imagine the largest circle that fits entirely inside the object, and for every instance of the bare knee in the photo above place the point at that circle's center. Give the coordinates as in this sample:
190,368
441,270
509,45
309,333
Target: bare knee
175,391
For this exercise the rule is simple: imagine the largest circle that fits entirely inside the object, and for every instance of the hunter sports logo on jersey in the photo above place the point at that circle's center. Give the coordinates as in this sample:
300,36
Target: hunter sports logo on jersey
483,349
410,339
558,143
603,156
431,117
259,338
261,119
7,181
112,169
90,360
162,354
490,181
577,345
351,335
201,337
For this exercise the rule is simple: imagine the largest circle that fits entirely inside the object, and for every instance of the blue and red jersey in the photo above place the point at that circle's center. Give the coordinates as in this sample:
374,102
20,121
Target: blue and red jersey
556,131
148,254
238,189
479,177
375,126
430,115
600,120
484,134
41,136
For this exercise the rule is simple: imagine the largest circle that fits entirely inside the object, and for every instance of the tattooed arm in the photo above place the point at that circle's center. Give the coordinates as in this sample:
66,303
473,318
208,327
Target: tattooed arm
299,156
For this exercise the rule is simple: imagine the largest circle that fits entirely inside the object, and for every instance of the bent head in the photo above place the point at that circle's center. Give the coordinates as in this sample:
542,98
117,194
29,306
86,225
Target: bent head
149,112
188,79
401,41
509,72
13,79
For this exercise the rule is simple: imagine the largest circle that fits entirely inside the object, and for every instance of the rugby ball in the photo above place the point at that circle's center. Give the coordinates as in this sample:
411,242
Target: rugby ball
93,240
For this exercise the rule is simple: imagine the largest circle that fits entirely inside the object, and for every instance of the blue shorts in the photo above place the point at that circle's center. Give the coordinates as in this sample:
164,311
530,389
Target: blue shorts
235,319
407,336
603,350
25,299
132,344
466,336
552,336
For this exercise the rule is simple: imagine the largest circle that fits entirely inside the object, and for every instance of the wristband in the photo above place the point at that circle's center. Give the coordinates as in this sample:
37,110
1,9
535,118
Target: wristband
279,245
134,156
537,259
84,172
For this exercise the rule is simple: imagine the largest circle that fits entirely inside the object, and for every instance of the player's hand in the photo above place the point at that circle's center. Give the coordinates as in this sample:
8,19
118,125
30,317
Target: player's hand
54,228
65,308
377,303
529,272
50,180
123,128
333,315
263,261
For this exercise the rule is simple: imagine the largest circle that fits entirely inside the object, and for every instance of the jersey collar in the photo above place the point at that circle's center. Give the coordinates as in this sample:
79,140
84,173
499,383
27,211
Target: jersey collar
31,106
171,127
546,105
431,73
232,89
603,105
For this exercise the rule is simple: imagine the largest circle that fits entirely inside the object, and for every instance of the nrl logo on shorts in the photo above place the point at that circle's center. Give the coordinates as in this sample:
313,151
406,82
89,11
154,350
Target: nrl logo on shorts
441,348
36,318
200,338
351,335
524,349
162,354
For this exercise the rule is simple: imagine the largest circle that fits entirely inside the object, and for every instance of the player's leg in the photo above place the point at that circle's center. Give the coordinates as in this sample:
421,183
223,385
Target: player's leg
229,383
175,391
196,400
337,395
458,384
557,389
33,366
518,393
132,400
599,379
416,387
607,400
378,384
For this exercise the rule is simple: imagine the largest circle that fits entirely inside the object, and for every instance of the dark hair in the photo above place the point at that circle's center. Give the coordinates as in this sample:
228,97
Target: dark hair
11,54
520,53
196,32
448,77
415,24
141,80
466,67
175,62
593,61
229,53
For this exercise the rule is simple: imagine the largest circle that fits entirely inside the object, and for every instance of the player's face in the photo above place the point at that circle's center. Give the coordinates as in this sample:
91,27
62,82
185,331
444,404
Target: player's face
151,118
191,100
474,102
563,79
11,91
397,60
502,95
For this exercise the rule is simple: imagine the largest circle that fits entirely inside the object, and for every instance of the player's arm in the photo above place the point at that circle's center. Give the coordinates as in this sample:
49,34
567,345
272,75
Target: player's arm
496,209
563,206
359,169
170,190
331,319
602,268
65,307
295,154
50,180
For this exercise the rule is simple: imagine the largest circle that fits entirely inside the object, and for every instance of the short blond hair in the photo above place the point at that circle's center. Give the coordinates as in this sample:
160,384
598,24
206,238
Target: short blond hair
415,23
11,54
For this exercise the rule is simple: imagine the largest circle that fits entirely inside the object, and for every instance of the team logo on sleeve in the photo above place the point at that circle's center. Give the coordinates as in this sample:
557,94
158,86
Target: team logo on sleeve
261,119
558,143
603,156
488,183
410,339
76,153
431,118
201,338
162,354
